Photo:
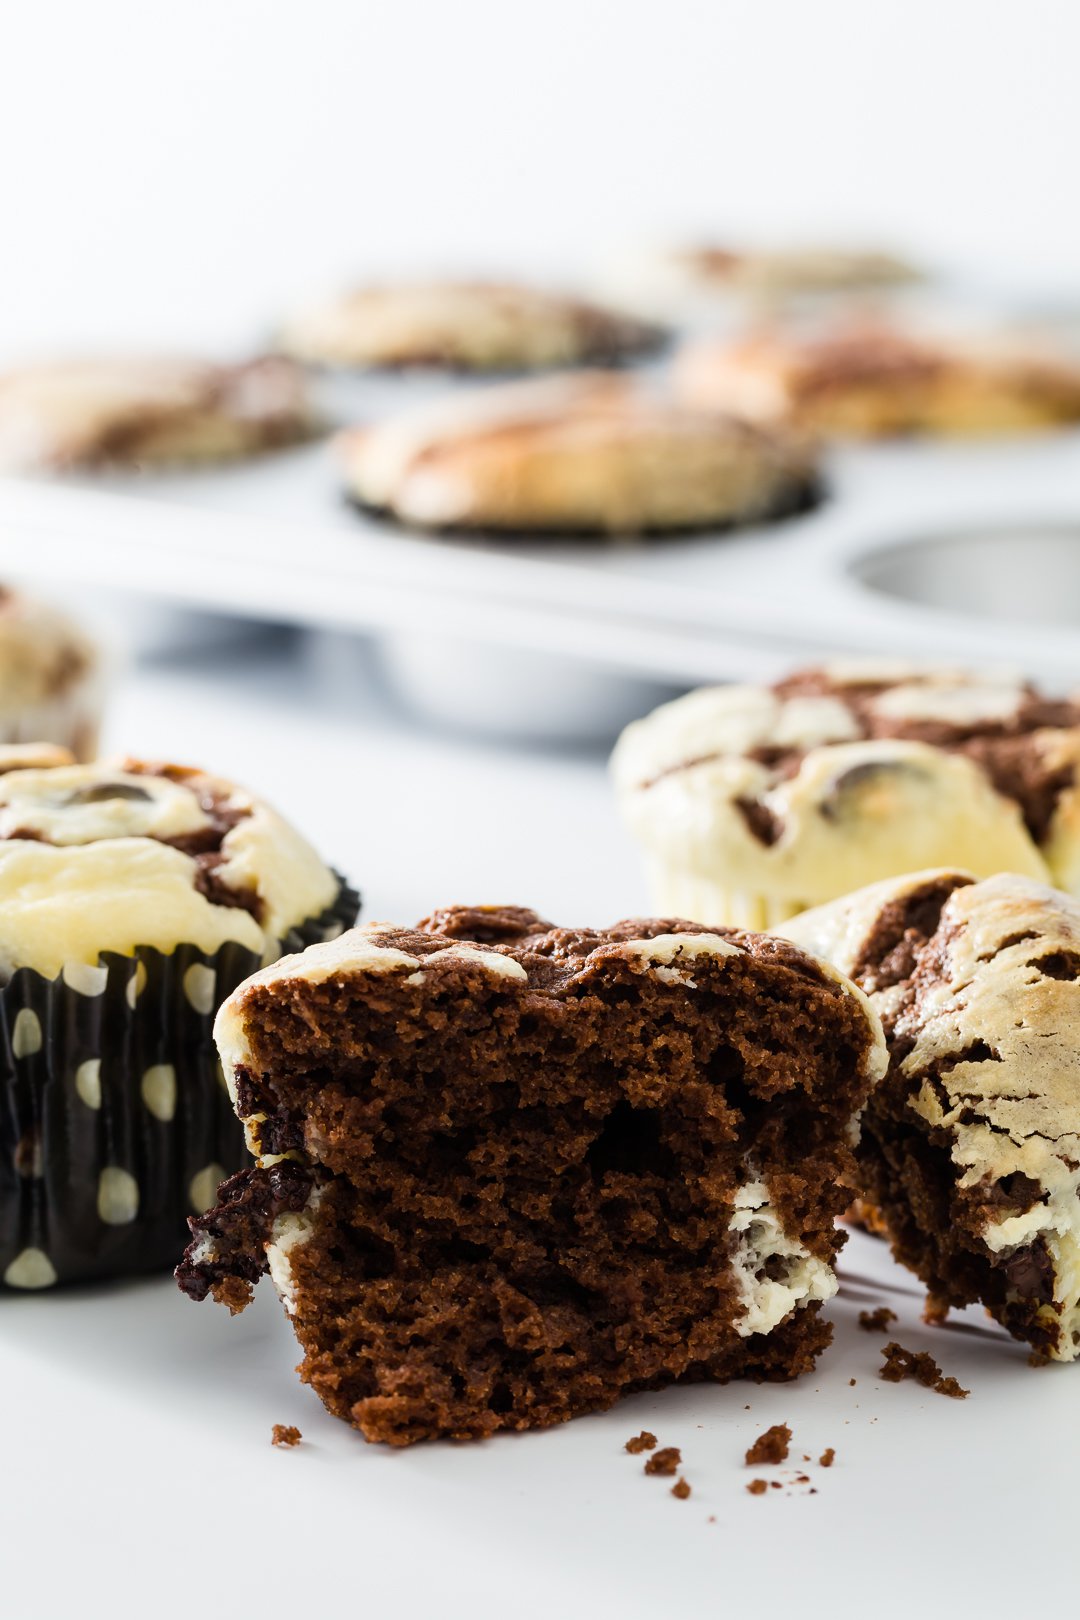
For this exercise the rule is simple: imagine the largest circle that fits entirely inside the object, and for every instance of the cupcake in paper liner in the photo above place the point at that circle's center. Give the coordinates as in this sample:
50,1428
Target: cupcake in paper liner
51,684
752,803
133,898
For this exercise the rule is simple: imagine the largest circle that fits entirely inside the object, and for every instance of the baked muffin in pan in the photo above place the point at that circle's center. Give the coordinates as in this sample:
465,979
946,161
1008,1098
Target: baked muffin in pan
752,803
133,897
51,677
149,411
589,453
871,381
466,326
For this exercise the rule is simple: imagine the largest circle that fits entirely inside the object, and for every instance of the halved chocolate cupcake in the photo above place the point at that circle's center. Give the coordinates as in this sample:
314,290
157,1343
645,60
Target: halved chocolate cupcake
133,898
970,1148
508,1172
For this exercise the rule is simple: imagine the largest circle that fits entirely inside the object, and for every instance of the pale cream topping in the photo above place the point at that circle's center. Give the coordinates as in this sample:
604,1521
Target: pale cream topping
91,874
379,459
960,703
692,777
758,1238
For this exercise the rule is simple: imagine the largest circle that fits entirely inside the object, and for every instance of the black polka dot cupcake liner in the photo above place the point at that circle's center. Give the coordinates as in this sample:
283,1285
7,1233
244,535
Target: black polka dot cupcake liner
115,1123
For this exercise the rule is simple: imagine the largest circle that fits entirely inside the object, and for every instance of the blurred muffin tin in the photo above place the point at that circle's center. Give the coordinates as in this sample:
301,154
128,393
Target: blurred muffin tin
968,552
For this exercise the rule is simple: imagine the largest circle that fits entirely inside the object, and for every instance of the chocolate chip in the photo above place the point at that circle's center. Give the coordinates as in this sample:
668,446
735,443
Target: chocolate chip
1031,1272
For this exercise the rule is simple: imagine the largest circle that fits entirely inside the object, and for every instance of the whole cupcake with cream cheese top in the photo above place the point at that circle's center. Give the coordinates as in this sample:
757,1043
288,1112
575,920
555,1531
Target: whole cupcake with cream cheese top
133,897
752,802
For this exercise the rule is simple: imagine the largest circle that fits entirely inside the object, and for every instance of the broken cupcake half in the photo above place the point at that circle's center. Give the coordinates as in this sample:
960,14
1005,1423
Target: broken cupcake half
507,1172
970,1148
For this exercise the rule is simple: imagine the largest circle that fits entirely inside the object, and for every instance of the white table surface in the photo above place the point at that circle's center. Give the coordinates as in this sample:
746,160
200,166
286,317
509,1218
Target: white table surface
138,1478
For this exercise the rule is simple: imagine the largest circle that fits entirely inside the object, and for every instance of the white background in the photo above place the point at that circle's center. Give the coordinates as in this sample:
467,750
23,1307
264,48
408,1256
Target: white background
179,174
182,172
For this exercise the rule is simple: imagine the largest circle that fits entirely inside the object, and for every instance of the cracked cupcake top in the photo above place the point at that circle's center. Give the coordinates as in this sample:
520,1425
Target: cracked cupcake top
978,987
465,326
148,411
868,380
855,770
117,854
591,452
514,944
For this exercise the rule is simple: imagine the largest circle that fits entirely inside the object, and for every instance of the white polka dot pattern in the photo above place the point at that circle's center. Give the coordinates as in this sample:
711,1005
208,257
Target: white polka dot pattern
88,1082
30,1269
84,979
136,984
26,1038
204,1186
200,987
118,1197
158,1089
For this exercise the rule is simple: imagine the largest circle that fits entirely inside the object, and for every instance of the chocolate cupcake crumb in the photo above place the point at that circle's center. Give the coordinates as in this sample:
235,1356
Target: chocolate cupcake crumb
899,1364
645,1441
664,1461
827,1458
285,1434
877,1321
770,1447
758,1487
680,1489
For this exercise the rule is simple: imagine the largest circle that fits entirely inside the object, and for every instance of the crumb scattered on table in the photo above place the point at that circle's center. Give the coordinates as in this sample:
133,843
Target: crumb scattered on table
680,1489
758,1487
877,1321
285,1434
851,1381
641,1442
899,1363
664,1461
828,1457
770,1447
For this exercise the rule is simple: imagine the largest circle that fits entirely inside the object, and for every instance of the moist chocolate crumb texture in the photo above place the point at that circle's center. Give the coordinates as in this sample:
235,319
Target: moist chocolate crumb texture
752,803
970,1148
589,453
860,381
149,411
507,1172
473,326
133,897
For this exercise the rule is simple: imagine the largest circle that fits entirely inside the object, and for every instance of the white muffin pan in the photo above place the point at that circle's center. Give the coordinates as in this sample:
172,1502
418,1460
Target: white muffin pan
969,552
